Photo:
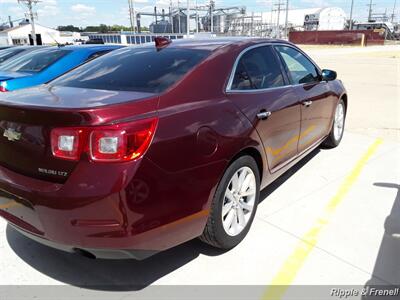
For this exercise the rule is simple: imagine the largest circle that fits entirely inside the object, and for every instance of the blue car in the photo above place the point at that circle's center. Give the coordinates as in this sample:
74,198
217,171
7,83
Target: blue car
42,65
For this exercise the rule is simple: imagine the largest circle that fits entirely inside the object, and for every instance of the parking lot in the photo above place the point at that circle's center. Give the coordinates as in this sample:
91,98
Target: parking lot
334,219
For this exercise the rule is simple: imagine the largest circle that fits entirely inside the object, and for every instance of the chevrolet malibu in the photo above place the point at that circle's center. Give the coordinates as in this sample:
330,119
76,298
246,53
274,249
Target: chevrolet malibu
148,147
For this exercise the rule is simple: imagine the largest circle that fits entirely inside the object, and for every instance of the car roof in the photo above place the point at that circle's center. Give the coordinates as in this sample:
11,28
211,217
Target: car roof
213,44
90,47
27,47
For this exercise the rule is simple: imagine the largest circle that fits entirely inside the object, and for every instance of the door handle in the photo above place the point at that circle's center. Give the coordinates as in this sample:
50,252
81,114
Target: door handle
263,115
307,103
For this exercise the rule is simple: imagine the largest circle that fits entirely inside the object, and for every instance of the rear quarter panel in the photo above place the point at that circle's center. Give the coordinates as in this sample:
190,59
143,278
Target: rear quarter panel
199,133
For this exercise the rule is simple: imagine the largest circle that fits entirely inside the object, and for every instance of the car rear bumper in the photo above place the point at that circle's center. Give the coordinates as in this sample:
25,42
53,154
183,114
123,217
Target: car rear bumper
91,252
127,212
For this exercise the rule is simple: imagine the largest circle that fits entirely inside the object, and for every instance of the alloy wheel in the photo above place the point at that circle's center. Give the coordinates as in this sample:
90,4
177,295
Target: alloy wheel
338,125
239,201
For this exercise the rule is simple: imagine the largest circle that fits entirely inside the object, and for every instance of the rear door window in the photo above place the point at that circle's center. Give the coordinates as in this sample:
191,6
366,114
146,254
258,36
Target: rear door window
97,54
140,69
35,61
258,69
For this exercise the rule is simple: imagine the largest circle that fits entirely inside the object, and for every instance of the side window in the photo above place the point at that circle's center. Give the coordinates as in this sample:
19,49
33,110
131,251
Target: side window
301,69
97,54
258,69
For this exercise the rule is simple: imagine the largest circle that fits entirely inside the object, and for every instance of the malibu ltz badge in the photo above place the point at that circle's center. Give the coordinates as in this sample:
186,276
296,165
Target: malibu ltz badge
12,135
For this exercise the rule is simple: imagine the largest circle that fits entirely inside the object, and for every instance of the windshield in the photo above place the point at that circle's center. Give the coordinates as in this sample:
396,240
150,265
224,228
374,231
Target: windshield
8,53
34,61
141,69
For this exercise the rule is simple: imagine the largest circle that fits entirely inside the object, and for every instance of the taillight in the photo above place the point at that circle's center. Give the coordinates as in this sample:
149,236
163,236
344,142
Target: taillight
3,89
120,142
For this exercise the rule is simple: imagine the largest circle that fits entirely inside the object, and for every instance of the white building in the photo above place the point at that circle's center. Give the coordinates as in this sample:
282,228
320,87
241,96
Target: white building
329,18
20,35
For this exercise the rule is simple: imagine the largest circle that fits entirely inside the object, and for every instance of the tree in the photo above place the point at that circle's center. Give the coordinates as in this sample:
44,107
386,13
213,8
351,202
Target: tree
69,28
103,28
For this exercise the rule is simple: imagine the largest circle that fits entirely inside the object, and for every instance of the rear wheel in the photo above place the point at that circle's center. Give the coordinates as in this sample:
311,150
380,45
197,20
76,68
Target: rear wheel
234,204
336,134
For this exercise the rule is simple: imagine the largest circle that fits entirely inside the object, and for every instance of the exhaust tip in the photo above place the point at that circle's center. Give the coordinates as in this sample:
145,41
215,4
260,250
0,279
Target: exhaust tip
84,253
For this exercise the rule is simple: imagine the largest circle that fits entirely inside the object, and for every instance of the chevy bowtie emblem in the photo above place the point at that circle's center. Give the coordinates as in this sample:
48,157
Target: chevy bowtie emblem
12,135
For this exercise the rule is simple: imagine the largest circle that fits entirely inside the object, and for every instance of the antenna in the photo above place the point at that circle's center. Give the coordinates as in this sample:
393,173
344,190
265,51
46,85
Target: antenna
29,4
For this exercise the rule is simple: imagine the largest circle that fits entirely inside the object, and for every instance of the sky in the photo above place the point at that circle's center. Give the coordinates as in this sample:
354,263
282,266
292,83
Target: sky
94,12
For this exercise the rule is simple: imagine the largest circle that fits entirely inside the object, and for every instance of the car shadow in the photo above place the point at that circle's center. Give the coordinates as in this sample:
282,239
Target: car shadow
119,275
102,274
387,266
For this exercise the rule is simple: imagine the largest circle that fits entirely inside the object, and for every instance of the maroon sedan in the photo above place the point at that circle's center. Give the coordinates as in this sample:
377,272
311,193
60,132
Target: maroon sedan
148,147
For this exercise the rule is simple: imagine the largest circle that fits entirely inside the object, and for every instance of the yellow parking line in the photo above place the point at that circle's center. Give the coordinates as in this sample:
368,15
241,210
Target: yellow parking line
295,261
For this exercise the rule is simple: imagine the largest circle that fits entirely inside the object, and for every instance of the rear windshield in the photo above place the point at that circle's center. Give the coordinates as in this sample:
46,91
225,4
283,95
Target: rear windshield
8,53
140,69
34,61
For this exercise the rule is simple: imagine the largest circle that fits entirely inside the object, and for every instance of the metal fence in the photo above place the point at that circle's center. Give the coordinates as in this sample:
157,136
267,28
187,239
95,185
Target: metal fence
131,39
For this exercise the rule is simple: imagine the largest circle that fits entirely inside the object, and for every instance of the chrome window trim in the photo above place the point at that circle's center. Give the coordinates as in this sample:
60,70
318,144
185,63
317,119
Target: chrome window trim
244,51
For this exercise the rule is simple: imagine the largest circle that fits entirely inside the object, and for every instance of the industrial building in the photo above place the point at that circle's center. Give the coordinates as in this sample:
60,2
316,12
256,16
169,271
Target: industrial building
21,35
237,21
329,18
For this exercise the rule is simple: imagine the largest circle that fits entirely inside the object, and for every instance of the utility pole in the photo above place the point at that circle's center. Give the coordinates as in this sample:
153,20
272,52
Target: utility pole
272,14
188,18
130,15
29,4
197,18
179,18
394,10
171,17
279,5
370,11
10,22
212,15
252,24
351,15
287,19
134,16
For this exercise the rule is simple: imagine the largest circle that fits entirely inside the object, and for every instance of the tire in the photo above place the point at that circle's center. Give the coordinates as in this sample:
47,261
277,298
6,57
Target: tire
334,138
225,237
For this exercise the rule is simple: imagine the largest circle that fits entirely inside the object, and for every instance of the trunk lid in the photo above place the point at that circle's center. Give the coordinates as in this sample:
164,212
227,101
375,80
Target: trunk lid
28,116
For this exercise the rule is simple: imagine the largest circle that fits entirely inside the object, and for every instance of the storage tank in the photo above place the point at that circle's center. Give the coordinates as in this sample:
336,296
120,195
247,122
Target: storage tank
221,22
161,27
332,18
329,18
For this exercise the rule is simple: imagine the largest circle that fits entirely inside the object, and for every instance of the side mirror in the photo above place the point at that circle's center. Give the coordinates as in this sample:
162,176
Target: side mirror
328,75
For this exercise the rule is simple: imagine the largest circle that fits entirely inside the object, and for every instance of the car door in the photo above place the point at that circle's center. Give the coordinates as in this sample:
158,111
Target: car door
259,87
317,103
